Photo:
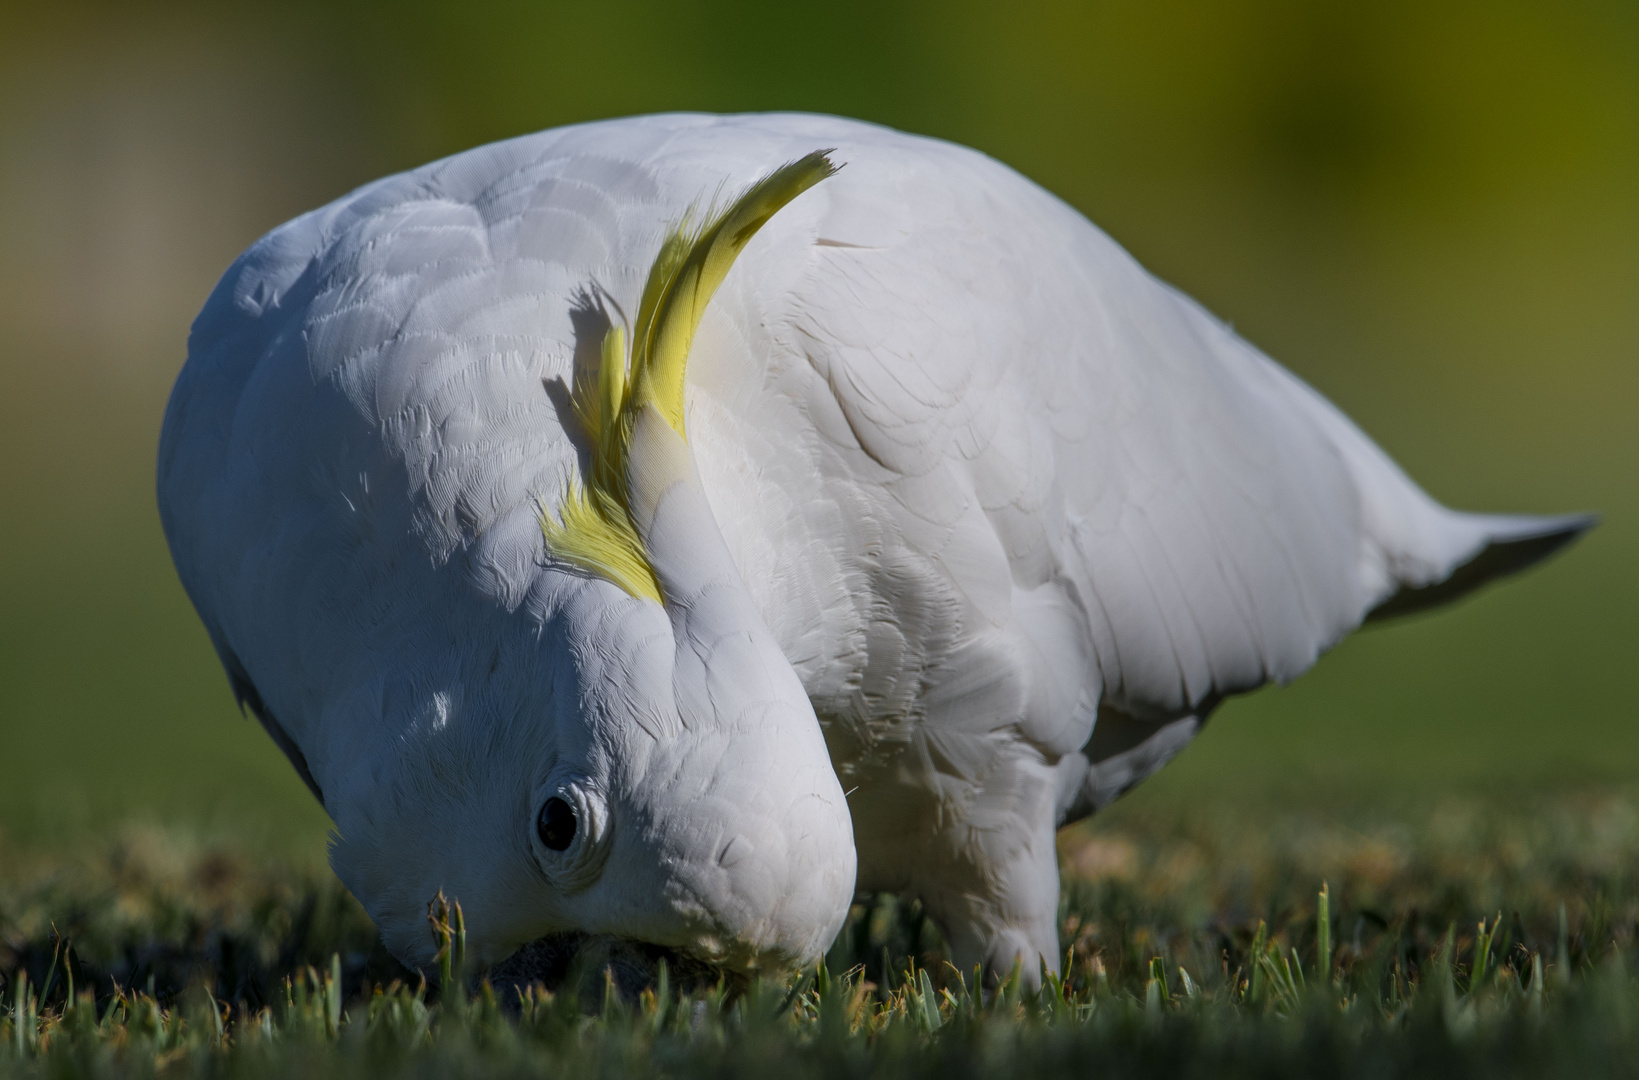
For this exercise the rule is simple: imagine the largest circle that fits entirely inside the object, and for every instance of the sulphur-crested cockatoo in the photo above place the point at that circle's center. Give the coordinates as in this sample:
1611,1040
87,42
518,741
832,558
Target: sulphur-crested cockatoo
958,525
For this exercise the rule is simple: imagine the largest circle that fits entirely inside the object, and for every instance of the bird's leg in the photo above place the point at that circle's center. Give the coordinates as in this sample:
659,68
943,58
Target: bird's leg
999,904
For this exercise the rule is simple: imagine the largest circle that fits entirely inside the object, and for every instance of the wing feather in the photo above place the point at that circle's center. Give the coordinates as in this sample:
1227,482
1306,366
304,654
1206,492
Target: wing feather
1215,523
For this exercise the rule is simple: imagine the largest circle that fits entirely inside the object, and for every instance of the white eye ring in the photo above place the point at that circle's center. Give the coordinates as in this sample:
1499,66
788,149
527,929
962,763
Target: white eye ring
578,864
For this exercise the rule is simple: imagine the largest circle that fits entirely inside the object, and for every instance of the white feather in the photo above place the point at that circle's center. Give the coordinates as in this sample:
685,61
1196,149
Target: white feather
983,478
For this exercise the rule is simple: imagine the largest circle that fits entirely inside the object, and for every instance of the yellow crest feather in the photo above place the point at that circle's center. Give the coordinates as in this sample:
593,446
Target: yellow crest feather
594,530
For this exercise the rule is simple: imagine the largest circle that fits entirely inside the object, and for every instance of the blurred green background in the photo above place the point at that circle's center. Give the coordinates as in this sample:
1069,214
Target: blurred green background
1429,210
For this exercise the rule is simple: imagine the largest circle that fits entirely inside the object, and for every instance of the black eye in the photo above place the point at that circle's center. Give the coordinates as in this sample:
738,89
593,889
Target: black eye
556,825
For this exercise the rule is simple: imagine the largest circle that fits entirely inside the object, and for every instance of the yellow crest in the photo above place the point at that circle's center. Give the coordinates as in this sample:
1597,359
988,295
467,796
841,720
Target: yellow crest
595,530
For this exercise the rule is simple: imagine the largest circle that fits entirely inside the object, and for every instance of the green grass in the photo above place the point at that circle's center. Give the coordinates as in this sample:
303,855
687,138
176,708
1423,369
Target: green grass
1486,936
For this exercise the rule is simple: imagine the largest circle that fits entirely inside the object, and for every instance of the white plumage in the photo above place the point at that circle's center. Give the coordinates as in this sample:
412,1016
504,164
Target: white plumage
977,498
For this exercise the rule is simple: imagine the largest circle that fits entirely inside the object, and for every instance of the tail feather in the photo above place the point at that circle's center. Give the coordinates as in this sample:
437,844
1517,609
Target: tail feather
1513,543
1419,554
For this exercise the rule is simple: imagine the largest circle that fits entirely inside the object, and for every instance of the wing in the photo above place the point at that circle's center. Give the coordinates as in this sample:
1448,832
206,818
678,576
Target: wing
1069,487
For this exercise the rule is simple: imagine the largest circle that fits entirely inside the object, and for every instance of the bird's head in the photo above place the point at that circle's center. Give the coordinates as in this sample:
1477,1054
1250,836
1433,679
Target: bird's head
648,767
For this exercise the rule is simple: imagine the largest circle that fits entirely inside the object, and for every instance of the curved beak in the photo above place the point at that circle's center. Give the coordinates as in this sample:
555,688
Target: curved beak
746,851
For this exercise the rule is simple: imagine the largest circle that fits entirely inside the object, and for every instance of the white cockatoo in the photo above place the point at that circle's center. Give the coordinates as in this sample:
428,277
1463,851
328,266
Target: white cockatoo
958,526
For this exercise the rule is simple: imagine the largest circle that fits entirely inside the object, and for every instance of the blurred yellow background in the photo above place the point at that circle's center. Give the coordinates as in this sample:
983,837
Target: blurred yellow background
1429,210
